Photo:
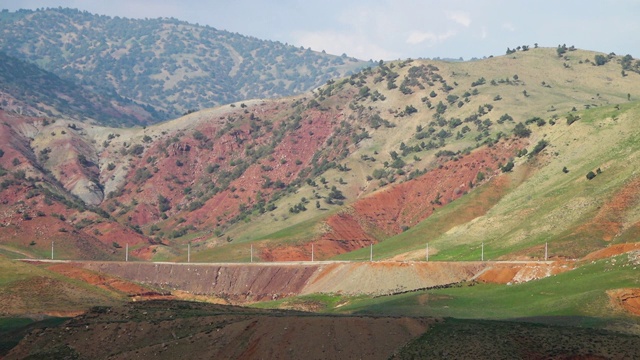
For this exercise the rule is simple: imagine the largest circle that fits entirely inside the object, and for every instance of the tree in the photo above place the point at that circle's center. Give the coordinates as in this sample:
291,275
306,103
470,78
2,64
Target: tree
520,130
600,60
590,175
364,91
507,167
163,203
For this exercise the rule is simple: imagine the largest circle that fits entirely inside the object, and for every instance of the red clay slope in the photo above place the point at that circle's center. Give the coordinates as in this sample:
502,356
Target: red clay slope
406,204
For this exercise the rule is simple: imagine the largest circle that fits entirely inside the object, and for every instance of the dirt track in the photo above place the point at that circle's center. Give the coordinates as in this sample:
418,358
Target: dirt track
249,282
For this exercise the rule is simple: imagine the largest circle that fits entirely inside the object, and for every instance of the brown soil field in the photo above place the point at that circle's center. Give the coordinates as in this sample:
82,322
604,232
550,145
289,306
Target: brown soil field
182,330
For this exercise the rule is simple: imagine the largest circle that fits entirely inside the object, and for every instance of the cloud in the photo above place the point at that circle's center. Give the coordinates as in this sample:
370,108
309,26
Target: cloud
461,18
336,43
418,37
509,26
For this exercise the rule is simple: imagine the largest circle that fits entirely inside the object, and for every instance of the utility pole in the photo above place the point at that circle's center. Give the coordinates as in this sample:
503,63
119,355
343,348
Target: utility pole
482,256
189,252
251,252
311,252
126,252
371,253
546,251
427,251
51,249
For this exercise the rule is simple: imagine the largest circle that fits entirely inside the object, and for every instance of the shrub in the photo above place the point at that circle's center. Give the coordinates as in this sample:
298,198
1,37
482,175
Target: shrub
600,60
520,130
572,118
163,203
590,175
507,167
478,82
541,145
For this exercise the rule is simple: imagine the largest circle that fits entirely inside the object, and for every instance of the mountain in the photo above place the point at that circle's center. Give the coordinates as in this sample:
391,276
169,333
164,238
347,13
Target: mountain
169,66
29,90
495,151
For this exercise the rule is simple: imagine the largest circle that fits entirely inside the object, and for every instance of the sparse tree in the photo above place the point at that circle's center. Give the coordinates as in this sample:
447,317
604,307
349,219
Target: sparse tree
600,60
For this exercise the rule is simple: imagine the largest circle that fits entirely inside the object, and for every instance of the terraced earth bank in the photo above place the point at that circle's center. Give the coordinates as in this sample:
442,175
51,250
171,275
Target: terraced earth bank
245,283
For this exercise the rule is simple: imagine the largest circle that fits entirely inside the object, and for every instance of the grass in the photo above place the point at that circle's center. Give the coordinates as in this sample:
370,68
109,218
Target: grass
12,330
580,292
547,205
35,290
312,302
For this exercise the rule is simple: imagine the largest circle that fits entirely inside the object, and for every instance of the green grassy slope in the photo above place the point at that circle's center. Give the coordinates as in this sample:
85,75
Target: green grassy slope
550,205
542,203
580,292
30,289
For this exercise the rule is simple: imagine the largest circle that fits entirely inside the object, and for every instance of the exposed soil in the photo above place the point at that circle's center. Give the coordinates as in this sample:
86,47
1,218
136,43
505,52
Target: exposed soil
612,250
610,221
247,283
107,282
180,330
508,273
46,295
627,299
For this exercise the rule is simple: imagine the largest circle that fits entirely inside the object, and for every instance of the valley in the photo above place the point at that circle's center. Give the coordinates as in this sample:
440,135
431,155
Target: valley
293,218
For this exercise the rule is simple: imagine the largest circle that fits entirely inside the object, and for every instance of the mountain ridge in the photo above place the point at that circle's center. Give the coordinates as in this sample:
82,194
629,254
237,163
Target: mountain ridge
284,172
170,65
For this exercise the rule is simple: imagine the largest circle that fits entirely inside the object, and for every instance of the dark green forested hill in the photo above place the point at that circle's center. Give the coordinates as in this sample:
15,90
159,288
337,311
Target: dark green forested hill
168,64
30,90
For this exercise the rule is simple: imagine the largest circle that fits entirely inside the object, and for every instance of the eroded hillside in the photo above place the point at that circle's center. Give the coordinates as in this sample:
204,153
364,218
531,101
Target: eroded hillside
397,155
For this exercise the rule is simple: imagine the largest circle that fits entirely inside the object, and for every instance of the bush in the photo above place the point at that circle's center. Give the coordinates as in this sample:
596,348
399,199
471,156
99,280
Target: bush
541,145
590,175
163,203
600,60
520,130
507,167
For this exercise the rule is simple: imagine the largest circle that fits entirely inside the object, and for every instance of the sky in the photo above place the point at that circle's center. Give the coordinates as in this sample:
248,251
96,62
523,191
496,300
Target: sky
397,29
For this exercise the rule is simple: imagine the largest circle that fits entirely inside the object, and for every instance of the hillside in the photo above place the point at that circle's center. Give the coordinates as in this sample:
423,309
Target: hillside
170,66
169,330
400,154
28,90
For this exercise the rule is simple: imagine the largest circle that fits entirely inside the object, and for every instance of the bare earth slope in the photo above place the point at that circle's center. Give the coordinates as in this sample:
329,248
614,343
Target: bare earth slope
180,330
250,282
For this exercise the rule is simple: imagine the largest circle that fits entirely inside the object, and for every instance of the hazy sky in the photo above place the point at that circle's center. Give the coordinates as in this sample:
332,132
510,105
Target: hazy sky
394,29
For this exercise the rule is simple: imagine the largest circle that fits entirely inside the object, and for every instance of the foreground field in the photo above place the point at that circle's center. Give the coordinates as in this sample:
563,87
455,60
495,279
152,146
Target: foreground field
177,330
